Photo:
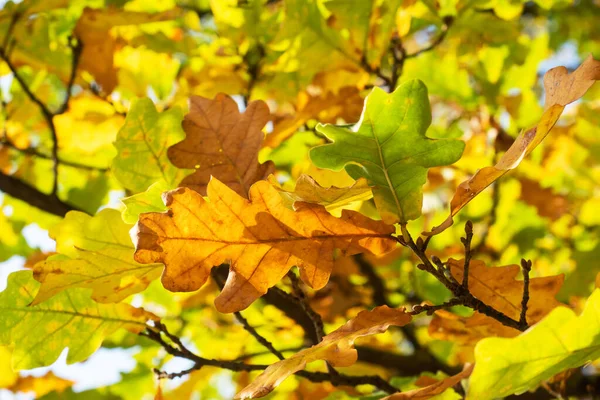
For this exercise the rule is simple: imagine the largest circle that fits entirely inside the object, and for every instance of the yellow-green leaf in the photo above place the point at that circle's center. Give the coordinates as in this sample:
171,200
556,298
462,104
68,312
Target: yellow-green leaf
142,147
38,334
96,253
389,148
559,342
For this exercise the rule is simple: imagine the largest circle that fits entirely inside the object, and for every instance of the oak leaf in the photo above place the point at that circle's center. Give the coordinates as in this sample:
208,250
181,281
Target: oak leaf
328,107
335,348
558,342
93,30
41,385
561,89
433,389
222,142
141,157
499,288
332,198
70,319
96,253
260,238
389,148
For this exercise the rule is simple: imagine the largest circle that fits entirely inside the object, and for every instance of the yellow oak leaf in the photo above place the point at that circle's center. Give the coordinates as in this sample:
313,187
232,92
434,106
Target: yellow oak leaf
260,238
96,253
223,143
332,198
434,388
93,30
561,89
335,348
499,288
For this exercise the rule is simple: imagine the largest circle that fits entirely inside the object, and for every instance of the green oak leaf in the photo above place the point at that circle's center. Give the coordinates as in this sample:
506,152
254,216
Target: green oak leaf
142,145
148,201
559,342
38,334
96,253
389,148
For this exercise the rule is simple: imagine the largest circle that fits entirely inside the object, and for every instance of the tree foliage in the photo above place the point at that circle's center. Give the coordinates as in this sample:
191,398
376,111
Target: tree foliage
322,199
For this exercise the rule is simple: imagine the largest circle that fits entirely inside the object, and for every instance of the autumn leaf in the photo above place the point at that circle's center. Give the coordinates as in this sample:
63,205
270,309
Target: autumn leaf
328,107
335,348
93,30
389,148
96,253
41,385
261,239
498,288
559,342
141,145
222,142
70,319
433,389
561,89
332,198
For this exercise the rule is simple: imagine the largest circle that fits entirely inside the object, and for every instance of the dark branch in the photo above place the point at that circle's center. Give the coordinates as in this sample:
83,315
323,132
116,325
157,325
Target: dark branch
22,191
177,349
249,328
466,241
526,265
462,296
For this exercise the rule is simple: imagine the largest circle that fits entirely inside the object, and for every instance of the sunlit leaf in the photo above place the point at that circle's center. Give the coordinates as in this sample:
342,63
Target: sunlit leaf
70,319
389,148
96,253
142,147
222,142
261,238
559,342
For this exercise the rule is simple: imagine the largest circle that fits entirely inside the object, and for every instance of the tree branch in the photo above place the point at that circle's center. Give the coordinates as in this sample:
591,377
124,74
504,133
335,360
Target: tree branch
177,349
22,191
249,328
526,265
462,296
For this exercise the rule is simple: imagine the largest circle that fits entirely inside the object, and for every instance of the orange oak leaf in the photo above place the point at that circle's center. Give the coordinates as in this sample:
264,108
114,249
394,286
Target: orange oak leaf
336,348
433,389
561,88
222,142
261,239
499,288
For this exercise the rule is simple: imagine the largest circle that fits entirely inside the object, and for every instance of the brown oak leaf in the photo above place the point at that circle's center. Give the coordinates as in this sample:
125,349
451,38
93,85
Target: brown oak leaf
222,142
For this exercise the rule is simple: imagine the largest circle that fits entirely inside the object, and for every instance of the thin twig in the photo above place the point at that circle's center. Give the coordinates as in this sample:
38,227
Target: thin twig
32,151
467,299
249,328
444,31
177,349
526,265
466,241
